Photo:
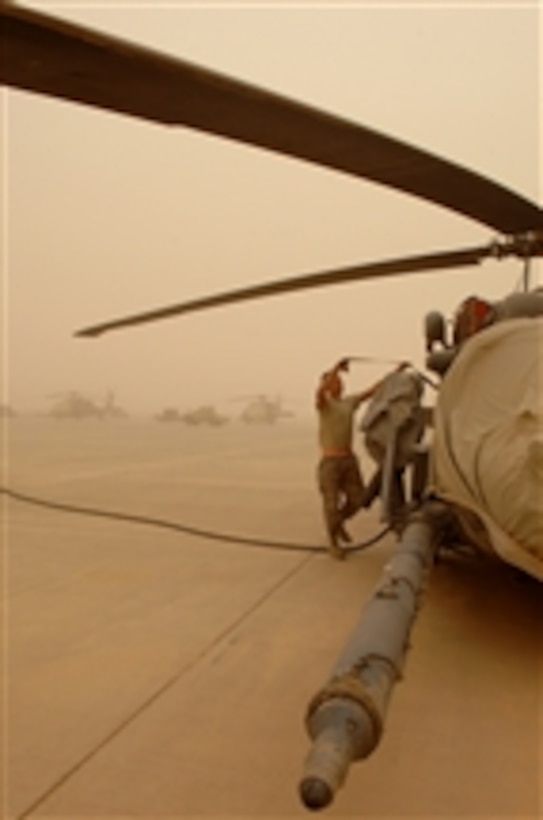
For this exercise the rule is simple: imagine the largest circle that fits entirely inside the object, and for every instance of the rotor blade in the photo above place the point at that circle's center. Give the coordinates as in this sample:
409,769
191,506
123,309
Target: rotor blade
414,264
49,56
373,360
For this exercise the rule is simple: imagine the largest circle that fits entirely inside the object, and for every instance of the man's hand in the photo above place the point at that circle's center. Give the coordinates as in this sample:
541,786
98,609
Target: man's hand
343,364
403,366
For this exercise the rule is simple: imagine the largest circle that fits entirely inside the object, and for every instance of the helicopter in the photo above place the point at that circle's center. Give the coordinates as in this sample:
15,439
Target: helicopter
73,404
346,717
206,414
263,409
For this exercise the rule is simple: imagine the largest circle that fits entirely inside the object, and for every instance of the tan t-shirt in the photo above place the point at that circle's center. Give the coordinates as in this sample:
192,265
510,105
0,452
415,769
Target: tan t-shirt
336,423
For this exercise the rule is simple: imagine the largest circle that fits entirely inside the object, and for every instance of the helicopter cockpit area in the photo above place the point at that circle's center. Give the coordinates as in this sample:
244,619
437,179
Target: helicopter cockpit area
473,315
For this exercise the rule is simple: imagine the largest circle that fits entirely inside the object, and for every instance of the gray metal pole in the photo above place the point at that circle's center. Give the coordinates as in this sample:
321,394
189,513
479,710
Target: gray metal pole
345,719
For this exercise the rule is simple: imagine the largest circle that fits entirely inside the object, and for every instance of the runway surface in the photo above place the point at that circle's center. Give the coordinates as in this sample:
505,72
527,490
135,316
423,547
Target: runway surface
149,673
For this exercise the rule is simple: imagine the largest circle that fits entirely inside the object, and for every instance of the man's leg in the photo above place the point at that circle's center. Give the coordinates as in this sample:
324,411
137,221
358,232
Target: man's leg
352,485
373,488
329,486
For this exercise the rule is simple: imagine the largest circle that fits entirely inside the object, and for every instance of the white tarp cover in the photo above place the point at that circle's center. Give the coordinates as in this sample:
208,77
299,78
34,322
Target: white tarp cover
488,445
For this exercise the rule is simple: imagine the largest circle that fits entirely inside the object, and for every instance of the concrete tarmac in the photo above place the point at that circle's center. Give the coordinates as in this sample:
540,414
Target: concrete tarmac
150,673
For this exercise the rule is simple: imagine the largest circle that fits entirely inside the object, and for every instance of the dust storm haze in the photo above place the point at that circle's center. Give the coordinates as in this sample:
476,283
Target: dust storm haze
152,673
104,215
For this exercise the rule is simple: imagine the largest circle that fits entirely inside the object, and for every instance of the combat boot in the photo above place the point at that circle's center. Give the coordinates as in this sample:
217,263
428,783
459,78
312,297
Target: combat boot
334,549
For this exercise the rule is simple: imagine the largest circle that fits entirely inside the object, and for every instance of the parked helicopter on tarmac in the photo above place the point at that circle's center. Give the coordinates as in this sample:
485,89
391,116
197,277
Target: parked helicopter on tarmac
263,409
478,482
72,404
206,415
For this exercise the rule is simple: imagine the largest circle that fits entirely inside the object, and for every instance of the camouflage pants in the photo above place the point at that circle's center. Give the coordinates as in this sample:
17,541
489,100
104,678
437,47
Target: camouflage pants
342,489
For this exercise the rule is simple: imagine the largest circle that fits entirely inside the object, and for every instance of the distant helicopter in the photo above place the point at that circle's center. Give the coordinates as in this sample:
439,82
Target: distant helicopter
477,481
206,415
263,409
72,404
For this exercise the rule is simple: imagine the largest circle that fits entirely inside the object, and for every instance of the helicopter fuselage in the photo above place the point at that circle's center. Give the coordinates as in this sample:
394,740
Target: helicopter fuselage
487,451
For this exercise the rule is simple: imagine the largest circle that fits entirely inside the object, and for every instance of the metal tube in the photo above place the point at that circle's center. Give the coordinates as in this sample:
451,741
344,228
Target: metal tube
345,719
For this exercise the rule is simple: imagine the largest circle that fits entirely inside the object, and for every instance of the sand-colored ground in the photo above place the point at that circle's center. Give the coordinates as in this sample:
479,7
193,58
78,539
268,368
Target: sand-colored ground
152,674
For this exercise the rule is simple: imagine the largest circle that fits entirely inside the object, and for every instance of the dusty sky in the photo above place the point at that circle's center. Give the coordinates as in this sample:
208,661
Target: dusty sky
104,215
